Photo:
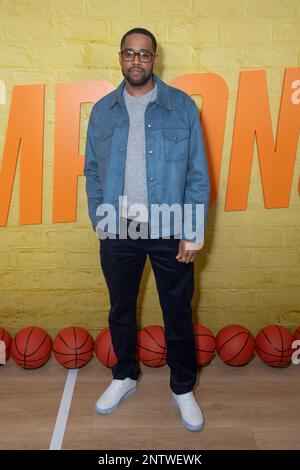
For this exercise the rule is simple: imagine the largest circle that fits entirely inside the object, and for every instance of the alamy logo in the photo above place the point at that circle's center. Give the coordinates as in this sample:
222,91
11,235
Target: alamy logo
296,354
184,222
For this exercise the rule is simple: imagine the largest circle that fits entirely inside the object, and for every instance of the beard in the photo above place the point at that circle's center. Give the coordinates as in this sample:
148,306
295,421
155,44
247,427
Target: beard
139,80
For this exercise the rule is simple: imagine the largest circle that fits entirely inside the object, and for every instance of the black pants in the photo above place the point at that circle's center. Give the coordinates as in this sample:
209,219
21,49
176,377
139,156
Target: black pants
122,262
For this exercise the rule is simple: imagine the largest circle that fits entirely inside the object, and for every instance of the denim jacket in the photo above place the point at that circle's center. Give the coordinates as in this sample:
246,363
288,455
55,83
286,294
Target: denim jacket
176,165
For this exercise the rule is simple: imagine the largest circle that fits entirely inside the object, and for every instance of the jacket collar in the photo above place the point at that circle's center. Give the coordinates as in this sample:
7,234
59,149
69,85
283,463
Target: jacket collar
163,94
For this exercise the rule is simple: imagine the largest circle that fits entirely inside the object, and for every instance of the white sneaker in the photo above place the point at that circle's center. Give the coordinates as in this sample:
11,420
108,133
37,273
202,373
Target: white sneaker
115,392
191,414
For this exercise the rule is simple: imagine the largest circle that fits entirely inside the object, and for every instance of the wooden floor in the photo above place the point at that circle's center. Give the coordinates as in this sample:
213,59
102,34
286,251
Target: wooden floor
251,407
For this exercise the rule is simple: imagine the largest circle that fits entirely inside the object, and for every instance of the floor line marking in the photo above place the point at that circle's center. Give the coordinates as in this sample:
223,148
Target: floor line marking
63,412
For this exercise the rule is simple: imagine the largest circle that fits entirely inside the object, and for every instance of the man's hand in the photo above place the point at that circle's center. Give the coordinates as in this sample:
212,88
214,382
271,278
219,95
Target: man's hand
187,251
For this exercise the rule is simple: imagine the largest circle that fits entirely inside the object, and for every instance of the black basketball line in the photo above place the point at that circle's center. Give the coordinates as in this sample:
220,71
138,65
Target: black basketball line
162,361
247,339
72,360
273,355
71,353
27,340
16,346
205,350
284,350
281,365
28,355
146,331
28,366
270,342
281,342
203,364
23,357
20,359
152,337
66,344
150,361
283,362
270,354
84,342
75,340
150,350
231,337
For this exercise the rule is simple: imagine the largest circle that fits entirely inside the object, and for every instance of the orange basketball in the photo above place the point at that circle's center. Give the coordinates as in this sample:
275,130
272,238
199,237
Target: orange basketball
73,347
151,346
5,345
205,344
104,349
274,345
31,347
235,345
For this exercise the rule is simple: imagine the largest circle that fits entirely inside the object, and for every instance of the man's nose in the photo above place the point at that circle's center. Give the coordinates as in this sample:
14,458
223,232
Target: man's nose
136,59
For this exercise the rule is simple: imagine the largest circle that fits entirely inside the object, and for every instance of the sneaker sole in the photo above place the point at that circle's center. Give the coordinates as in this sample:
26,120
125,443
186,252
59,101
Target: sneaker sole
106,411
187,425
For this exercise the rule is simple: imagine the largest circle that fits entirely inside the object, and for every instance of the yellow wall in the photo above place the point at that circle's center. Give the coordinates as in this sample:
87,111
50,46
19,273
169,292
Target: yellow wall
249,271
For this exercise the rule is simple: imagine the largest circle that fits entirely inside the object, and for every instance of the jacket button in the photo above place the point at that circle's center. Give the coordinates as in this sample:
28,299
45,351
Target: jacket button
151,179
149,125
150,151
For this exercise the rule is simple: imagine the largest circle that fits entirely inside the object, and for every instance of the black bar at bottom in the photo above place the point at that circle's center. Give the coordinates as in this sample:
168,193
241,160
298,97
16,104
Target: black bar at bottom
135,458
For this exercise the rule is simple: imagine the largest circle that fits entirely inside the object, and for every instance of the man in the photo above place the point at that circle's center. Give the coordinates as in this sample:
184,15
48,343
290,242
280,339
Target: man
145,148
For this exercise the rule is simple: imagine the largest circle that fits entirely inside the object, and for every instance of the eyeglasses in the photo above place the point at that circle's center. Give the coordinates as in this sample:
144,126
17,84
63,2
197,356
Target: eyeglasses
128,55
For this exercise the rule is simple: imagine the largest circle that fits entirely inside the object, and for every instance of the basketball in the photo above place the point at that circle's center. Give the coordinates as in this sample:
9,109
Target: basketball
151,346
5,345
73,347
235,345
31,347
274,345
205,344
104,349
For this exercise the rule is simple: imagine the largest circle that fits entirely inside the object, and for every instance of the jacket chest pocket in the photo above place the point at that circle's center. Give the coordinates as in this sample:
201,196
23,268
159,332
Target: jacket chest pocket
176,144
103,142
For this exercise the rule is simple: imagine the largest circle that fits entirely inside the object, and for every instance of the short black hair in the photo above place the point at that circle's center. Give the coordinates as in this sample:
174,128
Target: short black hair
140,31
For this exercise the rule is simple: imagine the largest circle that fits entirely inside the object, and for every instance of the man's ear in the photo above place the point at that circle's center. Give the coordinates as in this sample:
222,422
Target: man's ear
120,62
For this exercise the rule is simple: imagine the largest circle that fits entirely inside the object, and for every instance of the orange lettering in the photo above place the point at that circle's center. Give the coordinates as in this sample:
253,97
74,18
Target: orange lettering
25,132
253,118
